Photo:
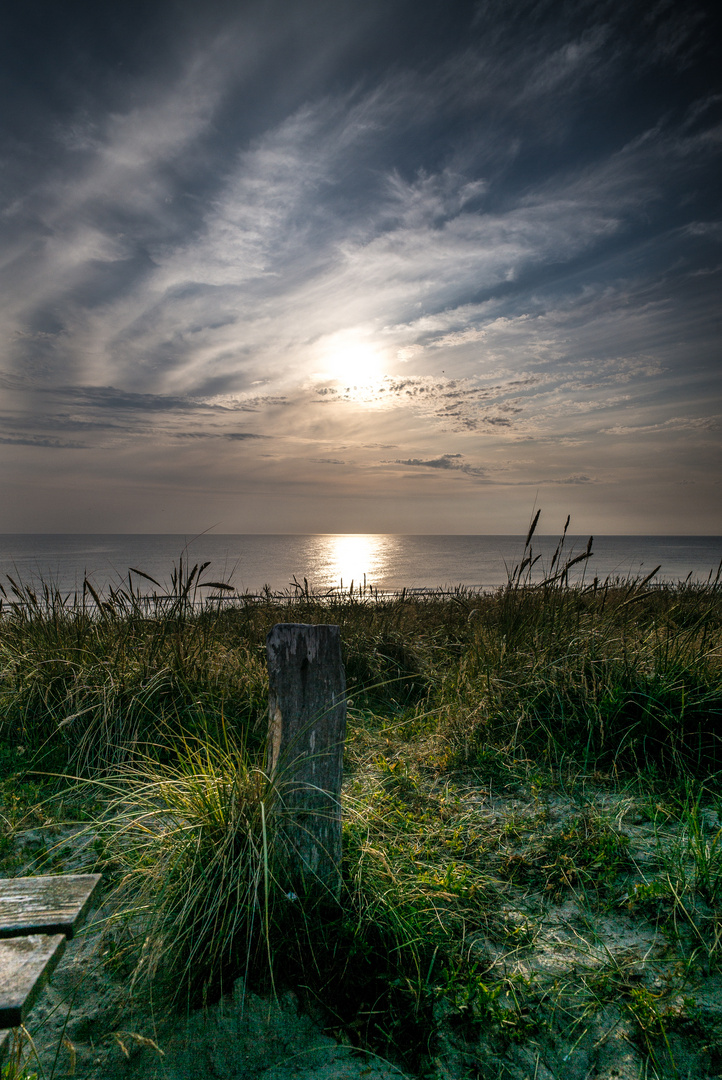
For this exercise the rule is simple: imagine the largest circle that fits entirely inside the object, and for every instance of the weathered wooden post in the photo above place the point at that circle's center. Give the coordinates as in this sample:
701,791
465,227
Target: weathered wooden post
307,729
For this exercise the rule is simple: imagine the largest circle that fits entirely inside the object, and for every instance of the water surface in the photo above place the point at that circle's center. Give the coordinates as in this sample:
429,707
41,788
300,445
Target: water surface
387,562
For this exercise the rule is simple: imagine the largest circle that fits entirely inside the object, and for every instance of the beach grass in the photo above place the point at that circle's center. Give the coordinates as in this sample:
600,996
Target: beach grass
532,808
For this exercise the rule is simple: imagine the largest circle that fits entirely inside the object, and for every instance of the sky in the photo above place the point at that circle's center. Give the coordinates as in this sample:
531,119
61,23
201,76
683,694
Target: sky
401,266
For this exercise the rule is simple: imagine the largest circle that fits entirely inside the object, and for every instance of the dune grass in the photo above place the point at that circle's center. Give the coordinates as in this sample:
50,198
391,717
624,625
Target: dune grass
551,743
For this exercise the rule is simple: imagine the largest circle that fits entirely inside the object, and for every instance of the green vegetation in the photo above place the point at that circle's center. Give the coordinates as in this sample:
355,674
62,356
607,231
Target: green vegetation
532,818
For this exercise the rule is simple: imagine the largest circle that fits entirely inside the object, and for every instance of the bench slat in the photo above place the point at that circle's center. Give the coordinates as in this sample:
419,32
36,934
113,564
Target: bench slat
26,964
54,904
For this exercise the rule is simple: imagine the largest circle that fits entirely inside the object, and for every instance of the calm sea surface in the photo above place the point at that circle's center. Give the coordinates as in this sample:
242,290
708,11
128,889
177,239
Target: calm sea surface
327,561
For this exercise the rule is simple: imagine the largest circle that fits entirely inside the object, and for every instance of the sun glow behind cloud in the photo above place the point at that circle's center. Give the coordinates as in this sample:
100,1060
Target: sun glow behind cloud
349,361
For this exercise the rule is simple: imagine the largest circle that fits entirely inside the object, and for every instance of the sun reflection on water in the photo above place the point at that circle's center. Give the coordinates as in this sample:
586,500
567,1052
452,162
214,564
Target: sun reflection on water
360,558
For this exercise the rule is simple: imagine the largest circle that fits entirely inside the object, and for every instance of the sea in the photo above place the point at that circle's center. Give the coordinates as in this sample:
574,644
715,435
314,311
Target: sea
387,563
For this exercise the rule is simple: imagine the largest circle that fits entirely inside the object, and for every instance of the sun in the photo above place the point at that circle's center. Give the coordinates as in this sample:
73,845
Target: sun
350,361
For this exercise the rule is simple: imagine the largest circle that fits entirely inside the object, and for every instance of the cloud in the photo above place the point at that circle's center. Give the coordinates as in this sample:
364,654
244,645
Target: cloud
278,235
674,423
110,397
446,461
233,436
272,236
575,478
461,403
451,462
36,440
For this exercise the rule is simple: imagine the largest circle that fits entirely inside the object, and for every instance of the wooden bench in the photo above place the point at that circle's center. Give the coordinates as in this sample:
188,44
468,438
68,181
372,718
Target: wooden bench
37,916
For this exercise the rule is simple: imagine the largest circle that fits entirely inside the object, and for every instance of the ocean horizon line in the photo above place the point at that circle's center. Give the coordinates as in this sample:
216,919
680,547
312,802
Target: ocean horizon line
501,535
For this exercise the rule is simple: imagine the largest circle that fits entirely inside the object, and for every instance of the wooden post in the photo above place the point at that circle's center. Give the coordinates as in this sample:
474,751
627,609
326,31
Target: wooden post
307,729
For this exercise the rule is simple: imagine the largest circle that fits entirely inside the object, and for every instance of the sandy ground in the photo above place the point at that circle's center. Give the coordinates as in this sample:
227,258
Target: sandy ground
82,1026
579,967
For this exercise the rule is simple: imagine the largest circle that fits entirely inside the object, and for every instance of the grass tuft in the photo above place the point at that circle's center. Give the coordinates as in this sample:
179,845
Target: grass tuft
188,840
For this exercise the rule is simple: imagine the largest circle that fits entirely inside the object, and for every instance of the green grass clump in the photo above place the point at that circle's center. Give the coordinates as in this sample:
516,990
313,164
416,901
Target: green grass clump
587,674
188,841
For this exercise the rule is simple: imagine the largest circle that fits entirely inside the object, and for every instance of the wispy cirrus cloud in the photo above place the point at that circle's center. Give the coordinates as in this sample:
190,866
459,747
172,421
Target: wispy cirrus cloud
674,423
